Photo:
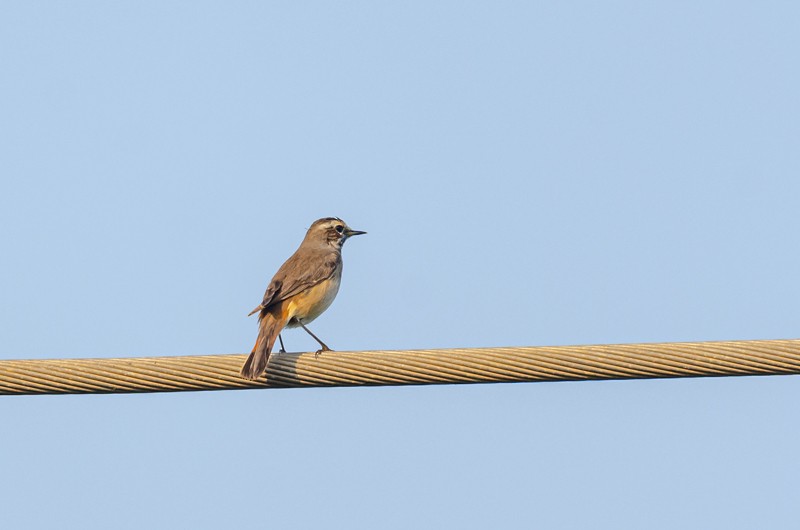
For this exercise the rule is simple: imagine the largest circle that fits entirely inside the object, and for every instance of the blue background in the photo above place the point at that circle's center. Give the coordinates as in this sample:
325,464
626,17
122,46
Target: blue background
529,174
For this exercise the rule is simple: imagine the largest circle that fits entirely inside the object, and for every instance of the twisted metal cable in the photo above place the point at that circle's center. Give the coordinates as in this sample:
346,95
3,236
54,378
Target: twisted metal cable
410,367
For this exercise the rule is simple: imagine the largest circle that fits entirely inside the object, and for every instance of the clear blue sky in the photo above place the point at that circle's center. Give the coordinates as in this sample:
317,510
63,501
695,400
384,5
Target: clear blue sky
529,173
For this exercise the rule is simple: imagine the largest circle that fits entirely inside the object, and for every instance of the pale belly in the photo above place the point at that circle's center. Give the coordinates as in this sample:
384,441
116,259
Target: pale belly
311,303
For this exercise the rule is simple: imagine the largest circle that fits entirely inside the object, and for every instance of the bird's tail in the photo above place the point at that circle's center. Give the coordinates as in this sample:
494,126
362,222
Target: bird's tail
269,325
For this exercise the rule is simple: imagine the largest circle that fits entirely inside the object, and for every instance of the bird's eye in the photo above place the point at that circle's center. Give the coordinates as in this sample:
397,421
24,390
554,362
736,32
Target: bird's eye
339,228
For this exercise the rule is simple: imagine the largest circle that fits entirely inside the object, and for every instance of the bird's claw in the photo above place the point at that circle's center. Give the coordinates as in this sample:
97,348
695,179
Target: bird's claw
319,351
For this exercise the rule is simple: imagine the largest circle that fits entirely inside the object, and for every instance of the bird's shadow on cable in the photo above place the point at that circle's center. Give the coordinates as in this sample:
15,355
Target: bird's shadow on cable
282,369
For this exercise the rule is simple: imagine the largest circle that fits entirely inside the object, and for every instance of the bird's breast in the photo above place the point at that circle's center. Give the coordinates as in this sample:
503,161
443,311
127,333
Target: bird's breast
311,303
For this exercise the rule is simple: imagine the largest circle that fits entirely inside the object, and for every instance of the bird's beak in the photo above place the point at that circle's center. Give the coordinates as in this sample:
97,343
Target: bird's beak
350,232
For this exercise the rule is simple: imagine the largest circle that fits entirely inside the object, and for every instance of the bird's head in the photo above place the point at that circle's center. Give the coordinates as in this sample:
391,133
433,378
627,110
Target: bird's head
332,231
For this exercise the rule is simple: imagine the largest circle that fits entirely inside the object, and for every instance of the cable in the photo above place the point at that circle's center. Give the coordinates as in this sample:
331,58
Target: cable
410,367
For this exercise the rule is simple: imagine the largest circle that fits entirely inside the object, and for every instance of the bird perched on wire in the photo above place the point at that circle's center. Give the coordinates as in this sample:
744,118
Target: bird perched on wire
301,290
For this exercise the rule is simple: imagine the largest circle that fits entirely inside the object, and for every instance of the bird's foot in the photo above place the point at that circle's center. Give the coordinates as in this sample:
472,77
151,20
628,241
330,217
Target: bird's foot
319,351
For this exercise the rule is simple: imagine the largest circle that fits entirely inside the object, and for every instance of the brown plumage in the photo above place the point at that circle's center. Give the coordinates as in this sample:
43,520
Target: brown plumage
301,290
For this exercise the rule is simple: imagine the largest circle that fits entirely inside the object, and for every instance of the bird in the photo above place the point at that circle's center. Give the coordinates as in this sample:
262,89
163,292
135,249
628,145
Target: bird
302,289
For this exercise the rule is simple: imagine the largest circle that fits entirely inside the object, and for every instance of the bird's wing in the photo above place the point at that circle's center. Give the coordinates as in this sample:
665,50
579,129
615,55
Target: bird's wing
269,295
297,275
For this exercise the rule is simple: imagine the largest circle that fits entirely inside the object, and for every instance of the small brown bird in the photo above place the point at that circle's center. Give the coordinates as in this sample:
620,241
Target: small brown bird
301,290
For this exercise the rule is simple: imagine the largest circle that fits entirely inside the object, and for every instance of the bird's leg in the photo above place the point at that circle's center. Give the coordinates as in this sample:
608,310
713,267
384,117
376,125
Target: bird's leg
282,350
324,346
